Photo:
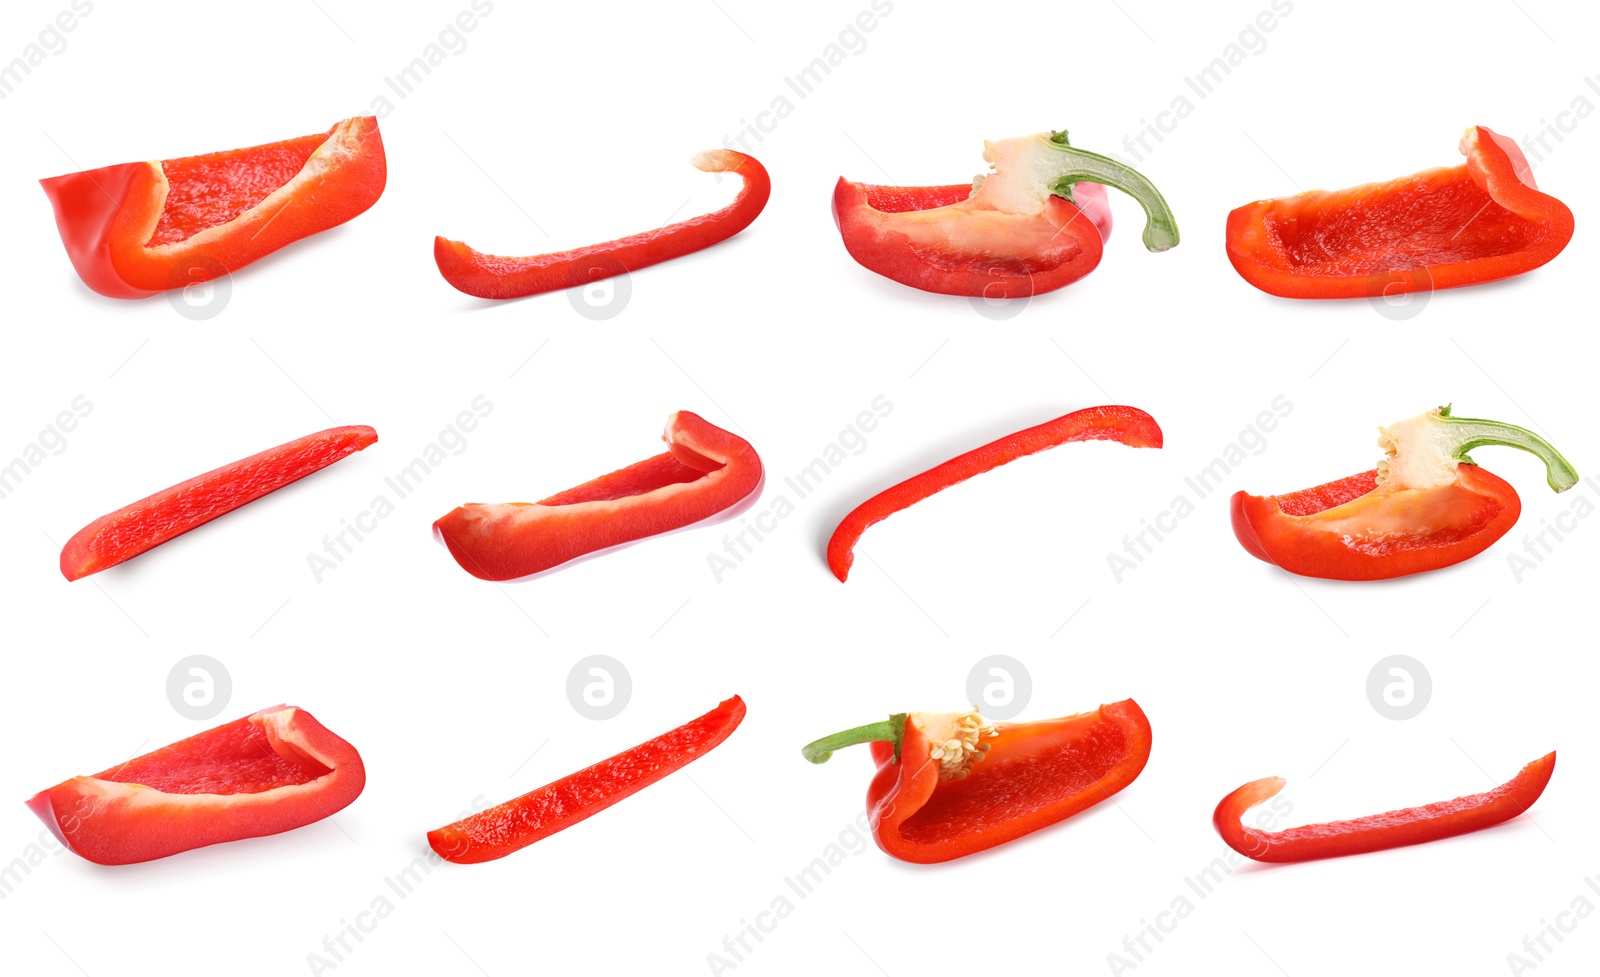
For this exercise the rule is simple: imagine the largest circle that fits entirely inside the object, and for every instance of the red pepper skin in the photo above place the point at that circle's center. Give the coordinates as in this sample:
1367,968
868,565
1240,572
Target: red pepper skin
1034,775
1128,425
516,824
271,771
1069,240
171,512
491,276
135,229
1411,826
704,471
1352,530
1477,222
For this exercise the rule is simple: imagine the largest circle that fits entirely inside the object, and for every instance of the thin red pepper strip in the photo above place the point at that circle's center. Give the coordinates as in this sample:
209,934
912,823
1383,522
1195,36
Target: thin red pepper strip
1128,425
704,471
491,276
516,824
135,229
1480,221
1395,829
171,512
932,799
271,771
1426,507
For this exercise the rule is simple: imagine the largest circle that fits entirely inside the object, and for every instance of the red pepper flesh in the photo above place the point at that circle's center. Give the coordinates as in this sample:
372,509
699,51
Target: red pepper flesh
516,824
1477,222
1128,425
1038,222
171,512
492,276
932,801
1428,508
704,471
135,229
271,771
1411,826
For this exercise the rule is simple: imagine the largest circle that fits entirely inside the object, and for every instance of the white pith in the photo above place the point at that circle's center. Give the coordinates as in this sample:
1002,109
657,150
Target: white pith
1419,453
956,740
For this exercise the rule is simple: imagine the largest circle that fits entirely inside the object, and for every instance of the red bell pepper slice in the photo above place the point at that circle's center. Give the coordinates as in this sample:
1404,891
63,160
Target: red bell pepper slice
1426,506
1037,222
516,824
272,771
1128,425
704,471
171,512
490,276
135,229
1411,826
932,800
1477,222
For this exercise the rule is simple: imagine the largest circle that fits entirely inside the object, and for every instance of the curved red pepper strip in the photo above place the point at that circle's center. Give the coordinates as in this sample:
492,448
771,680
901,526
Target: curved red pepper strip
490,276
931,802
135,229
271,771
171,512
1395,829
516,824
704,471
1128,425
1477,222
1362,528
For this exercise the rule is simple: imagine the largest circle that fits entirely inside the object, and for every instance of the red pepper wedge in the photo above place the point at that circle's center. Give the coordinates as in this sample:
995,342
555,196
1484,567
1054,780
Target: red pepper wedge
135,229
1426,506
1480,221
932,800
272,771
704,471
1127,425
1037,222
171,512
490,276
1395,829
516,824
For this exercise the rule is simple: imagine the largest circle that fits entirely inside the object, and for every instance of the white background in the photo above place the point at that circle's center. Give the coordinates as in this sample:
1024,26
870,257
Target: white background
581,120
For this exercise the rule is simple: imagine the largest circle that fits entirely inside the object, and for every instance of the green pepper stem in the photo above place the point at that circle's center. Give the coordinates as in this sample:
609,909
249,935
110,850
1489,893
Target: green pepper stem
1467,433
1160,227
891,730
